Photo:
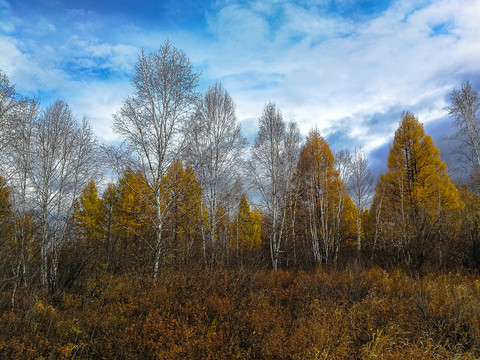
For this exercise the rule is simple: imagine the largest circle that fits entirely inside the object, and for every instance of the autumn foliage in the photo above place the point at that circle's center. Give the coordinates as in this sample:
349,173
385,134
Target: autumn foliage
208,255
219,314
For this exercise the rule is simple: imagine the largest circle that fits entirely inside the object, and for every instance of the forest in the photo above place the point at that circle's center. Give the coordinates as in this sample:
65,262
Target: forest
183,241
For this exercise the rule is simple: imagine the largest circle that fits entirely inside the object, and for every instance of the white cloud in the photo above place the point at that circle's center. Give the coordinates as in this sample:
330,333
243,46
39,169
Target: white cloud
98,101
324,69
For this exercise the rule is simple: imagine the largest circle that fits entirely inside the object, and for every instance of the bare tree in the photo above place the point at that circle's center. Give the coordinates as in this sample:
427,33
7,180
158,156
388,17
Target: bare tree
361,187
13,108
354,171
464,109
150,121
215,148
65,161
18,166
9,99
274,156
17,116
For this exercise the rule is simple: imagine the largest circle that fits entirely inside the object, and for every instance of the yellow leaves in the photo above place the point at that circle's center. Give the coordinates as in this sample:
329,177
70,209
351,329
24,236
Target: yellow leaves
416,174
247,226
316,158
415,198
182,191
89,213
181,204
135,204
326,210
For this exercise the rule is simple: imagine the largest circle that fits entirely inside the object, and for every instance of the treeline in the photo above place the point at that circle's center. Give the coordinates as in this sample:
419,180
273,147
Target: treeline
187,184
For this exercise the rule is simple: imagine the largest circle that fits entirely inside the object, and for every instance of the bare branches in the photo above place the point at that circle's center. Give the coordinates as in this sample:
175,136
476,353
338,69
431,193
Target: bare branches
215,146
65,162
151,121
273,159
464,109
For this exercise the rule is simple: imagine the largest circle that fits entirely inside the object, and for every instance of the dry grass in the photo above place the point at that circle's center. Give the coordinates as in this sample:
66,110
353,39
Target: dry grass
237,314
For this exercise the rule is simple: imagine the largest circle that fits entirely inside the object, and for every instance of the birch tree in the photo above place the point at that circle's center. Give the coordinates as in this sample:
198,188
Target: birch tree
17,118
360,184
65,161
215,149
150,121
465,111
274,156
326,208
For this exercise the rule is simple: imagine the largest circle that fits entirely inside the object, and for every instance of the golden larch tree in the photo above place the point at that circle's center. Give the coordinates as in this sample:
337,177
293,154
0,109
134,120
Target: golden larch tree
326,211
247,226
183,217
413,198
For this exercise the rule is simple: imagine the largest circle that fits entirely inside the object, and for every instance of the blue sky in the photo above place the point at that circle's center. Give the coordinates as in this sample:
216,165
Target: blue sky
348,68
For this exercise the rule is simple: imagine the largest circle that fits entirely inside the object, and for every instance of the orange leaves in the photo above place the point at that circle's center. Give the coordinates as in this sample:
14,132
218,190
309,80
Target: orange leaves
264,314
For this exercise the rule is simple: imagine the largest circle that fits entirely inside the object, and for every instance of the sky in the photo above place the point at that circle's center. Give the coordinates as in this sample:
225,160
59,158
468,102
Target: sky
346,68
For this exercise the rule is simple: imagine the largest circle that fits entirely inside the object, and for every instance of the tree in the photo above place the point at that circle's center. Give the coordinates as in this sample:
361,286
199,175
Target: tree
135,221
7,246
274,155
150,121
247,229
110,210
184,219
465,110
415,194
326,209
10,104
18,116
468,246
66,161
215,150
360,185
89,214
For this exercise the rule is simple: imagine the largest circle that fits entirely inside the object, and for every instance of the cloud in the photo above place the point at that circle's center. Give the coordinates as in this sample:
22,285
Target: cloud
346,69
337,73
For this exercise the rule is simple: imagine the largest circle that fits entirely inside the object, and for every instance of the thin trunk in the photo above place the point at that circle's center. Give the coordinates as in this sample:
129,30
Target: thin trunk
158,256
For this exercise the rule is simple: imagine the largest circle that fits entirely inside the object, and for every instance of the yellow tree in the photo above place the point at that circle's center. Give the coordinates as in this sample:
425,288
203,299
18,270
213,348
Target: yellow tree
88,224
111,211
183,216
135,219
89,214
247,229
415,195
326,210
